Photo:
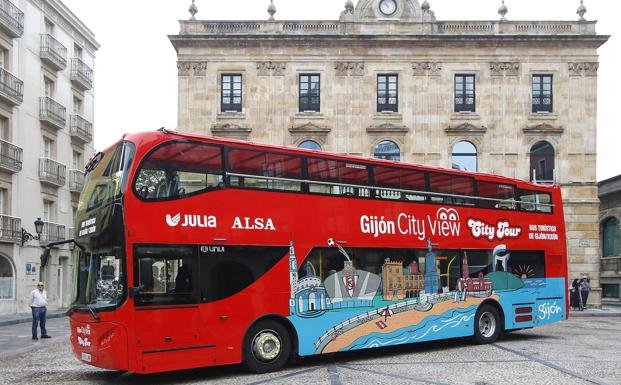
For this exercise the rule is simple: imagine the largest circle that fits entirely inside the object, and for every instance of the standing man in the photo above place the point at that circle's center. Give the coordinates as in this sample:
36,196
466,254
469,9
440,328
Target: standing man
38,304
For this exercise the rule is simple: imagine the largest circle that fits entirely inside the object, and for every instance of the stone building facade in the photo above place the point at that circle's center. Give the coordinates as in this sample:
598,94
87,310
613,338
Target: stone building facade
610,226
519,97
47,58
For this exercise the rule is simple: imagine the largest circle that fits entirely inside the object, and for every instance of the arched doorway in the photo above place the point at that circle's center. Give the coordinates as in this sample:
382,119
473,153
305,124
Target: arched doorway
387,149
7,278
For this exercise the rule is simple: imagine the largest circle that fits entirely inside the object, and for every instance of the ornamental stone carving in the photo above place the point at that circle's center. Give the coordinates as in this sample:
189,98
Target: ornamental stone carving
231,130
191,68
583,69
349,68
504,68
426,68
388,128
268,68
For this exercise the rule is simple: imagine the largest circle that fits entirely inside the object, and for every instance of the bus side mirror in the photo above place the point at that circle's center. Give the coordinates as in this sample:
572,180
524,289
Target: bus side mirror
134,291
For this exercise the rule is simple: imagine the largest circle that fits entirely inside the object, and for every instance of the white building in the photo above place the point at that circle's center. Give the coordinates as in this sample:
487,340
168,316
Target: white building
47,58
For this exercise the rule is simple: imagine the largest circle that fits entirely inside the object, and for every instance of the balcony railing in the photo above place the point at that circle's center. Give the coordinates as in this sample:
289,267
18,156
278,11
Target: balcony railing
52,113
76,181
11,19
81,74
11,88
10,229
52,173
53,53
10,157
53,232
81,129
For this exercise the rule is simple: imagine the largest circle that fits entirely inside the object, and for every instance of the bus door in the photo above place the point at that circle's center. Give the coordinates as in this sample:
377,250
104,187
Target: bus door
167,317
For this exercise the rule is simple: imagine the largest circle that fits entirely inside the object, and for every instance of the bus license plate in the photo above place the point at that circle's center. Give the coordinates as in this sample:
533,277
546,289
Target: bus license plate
86,357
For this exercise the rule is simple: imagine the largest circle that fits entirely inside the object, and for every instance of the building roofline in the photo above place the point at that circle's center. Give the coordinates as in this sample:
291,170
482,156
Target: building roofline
71,21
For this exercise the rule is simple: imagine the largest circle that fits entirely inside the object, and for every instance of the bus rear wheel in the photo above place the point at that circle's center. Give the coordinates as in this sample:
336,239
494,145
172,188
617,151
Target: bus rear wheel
267,347
486,325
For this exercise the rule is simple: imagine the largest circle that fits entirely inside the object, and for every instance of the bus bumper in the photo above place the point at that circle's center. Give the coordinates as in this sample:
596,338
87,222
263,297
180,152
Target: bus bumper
100,344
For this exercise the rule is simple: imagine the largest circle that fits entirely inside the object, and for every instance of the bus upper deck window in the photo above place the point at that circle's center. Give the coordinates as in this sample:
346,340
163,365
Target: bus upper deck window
536,201
179,169
496,195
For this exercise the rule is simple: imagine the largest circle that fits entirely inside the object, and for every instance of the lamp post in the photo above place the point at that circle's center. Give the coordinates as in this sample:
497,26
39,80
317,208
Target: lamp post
26,236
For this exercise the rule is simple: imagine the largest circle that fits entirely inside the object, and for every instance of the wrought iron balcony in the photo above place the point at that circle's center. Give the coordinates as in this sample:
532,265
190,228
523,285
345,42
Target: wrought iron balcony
76,181
52,113
52,173
53,53
11,88
10,157
81,74
53,232
10,229
81,129
11,19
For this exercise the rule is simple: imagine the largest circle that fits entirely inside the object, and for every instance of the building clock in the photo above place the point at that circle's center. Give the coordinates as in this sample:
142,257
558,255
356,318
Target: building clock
388,7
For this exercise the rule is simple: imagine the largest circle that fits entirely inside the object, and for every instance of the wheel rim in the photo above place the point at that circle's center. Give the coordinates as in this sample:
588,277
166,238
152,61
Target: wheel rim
266,345
487,324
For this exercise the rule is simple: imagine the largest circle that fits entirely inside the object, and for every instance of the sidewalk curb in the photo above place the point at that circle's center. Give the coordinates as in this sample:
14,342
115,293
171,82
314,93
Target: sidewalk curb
590,314
28,318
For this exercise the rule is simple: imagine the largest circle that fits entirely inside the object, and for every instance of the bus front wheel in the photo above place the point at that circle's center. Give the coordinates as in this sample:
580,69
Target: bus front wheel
487,325
267,347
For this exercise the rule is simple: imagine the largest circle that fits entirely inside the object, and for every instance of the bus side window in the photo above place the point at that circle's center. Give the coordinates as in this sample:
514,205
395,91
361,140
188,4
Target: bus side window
451,185
165,278
398,179
496,195
273,171
338,178
535,201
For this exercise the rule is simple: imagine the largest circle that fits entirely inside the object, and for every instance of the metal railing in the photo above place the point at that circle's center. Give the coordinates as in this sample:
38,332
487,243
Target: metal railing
52,112
52,172
81,128
81,73
53,52
76,181
53,232
10,229
11,87
10,156
11,18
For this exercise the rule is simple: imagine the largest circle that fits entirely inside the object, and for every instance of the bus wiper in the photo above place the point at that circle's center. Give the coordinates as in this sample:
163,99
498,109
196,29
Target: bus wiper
93,312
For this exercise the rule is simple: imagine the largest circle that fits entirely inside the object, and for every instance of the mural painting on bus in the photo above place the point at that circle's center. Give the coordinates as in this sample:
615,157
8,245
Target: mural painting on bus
403,301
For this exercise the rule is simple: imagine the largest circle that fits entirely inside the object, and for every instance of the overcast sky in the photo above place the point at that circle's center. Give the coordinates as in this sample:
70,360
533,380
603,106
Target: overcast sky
136,71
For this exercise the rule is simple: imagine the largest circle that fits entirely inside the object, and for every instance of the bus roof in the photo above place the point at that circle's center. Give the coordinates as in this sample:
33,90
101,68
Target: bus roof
165,135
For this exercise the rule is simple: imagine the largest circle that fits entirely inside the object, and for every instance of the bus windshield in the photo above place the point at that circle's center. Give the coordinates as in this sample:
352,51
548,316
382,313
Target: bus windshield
100,272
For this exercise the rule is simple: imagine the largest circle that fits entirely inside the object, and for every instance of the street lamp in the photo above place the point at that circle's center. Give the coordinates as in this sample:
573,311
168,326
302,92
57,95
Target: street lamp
26,236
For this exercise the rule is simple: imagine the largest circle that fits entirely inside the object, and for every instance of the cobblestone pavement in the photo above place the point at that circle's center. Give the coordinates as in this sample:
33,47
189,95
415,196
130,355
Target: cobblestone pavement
579,351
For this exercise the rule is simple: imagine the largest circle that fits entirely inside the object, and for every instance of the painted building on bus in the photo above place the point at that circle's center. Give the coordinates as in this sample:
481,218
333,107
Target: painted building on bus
402,84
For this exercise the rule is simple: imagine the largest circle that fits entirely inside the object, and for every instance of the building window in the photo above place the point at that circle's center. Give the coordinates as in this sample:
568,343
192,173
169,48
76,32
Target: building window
611,238
77,106
542,162
49,27
542,93
4,58
48,87
310,91
387,93
465,93
3,201
4,129
48,148
610,290
388,150
7,279
310,145
77,51
231,93
49,215
464,157
77,161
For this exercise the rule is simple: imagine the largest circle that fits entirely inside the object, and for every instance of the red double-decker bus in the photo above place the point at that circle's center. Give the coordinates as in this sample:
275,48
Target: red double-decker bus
202,251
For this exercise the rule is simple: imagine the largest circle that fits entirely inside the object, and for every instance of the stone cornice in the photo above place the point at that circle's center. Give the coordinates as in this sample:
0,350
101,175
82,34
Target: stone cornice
309,128
543,128
230,130
465,129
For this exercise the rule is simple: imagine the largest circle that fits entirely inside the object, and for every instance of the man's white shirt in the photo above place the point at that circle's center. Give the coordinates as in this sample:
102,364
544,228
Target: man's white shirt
38,299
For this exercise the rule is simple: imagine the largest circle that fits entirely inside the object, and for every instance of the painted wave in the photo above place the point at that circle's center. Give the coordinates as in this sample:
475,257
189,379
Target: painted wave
427,330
